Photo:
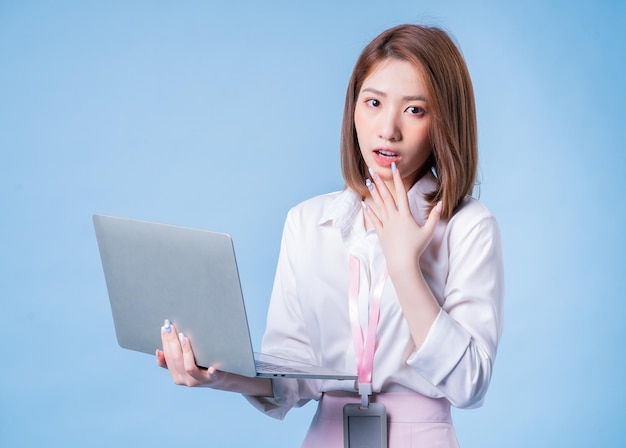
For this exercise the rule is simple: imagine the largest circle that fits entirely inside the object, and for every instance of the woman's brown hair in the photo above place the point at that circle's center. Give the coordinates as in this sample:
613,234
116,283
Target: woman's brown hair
453,132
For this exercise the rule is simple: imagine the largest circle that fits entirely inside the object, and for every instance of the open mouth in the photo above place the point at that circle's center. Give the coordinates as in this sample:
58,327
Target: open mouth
386,154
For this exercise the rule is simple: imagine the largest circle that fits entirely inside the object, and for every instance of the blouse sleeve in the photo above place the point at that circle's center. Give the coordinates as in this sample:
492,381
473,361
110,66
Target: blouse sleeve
285,333
458,353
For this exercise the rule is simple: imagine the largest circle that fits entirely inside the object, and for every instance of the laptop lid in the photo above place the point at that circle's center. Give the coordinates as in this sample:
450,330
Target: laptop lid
157,271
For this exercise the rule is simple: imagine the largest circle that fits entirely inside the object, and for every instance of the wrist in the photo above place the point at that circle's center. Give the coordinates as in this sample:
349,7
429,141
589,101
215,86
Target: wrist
231,382
406,267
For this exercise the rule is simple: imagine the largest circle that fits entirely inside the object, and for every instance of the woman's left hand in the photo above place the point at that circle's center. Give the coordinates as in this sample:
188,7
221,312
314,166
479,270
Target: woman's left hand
402,239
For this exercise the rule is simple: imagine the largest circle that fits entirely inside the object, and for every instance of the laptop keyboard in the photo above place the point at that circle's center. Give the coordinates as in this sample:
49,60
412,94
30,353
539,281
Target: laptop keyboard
268,367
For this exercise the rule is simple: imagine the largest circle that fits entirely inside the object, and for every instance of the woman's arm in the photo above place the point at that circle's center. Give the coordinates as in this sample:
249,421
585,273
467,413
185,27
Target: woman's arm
460,349
456,343
285,333
403,241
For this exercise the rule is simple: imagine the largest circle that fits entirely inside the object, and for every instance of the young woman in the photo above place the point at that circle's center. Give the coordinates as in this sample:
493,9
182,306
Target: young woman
403,253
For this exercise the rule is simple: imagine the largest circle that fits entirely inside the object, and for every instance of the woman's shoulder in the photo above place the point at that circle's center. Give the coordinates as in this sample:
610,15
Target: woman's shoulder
319,201
471,212
316,207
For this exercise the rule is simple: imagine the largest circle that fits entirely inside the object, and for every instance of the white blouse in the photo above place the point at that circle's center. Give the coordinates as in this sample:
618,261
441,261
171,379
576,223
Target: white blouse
308,313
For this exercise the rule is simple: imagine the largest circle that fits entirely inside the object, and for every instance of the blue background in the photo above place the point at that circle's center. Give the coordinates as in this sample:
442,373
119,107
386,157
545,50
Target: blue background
222,116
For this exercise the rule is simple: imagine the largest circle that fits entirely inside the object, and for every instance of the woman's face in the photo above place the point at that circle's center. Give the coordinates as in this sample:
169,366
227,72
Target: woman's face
392,120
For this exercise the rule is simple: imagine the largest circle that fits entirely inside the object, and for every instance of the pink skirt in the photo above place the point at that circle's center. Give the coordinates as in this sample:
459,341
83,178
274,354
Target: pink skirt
413,420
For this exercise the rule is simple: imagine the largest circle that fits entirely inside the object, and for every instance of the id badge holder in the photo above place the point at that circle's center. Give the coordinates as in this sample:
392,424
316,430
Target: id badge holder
364,427
365,424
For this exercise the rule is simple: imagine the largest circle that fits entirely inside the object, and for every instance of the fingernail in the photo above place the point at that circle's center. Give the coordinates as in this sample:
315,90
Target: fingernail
369,184
439,206
166,328
393,167
212,371
372,173
181,338
364,205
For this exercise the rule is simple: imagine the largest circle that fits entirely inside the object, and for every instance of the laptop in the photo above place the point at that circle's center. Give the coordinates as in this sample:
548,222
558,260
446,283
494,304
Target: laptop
157,271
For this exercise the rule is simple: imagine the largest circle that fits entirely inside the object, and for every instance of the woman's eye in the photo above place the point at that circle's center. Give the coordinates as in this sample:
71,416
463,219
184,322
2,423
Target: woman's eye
415,110
373,102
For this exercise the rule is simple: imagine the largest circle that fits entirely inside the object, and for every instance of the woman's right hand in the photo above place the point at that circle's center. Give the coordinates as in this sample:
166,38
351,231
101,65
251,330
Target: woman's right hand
178,358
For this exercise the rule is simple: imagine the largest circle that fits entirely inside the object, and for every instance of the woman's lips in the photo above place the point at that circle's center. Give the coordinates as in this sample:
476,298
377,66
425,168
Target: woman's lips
385,157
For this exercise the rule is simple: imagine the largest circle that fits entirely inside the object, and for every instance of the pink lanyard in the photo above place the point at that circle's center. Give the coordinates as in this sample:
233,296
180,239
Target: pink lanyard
364,350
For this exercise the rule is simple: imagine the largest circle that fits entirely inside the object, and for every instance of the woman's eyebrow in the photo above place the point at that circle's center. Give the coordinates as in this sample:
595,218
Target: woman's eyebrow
416,98
405,98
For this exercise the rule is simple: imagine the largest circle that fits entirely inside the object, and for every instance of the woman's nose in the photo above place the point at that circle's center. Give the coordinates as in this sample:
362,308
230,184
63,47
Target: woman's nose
389,127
